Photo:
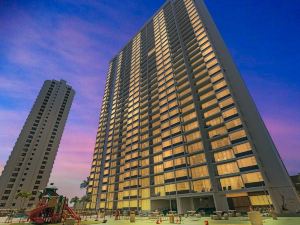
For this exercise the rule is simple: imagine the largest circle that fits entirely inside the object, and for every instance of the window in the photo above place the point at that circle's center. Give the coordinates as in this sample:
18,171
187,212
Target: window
224,155
178,150
246,162
183,186
212,112
187,108
217,132
232,183
197,159
170,188
168,164
215,121
181,173
227,168
169,176
252,177
158,179
193,136
179,161
233,123
209,103
227,102
202,185
223,94
260,200
158,169
245,147
195,147
189,116
237,135
191,126
220,143
198,172
230,113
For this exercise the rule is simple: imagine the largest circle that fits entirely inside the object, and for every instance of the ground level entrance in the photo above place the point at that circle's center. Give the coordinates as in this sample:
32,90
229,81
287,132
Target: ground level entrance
184,204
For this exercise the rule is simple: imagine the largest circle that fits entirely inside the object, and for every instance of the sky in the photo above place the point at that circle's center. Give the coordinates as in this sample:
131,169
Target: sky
74,41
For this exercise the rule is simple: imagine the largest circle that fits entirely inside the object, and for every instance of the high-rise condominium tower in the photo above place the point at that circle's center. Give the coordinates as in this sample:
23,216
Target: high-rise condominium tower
178,127
30,163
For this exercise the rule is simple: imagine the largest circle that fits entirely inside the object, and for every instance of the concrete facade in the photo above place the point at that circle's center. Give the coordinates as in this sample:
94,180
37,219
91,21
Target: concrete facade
30,164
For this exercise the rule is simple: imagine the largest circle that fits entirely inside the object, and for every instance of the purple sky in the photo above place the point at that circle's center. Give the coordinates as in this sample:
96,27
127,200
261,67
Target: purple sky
74,40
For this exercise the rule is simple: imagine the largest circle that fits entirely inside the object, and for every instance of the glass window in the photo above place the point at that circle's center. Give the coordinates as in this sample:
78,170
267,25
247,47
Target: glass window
202,185
179,161
233,123
245,147
206,95
212,112
167,153
158,168
183,186
215,121
178,150
260,200
223,93
193,136
230,112
224,155
170,188
217,77
197,159
181,173
217,132
246,162
169,175
168,164
209,103
189,116
158,158
226,102
232,183
160,191
220,143
188,107
237,135
252,177
195,147
198,172
227,168
191,126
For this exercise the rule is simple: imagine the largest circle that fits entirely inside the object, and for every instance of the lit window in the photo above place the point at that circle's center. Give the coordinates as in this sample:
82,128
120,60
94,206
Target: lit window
224,155
227,168
232,183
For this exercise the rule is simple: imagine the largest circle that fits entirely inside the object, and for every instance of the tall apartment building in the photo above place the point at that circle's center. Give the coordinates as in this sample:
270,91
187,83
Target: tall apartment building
30,163
178,128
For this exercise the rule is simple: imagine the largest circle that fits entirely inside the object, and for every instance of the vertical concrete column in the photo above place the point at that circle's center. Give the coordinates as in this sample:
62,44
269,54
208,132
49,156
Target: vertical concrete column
184,205
179,206
221,203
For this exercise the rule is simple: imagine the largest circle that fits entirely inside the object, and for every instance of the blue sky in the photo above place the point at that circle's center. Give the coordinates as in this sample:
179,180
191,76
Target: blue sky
74,40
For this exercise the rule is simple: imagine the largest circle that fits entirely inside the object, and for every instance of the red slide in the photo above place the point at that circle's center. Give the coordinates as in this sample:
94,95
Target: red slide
73,214
34,214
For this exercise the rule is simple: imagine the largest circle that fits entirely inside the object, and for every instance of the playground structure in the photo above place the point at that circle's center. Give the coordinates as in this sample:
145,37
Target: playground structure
52,208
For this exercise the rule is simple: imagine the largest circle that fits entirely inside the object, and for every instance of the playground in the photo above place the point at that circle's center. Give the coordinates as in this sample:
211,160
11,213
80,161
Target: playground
185,221
53,208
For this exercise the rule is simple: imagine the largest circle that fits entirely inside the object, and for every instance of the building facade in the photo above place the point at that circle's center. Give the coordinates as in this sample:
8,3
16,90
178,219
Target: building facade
178,128
296,182
30,163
